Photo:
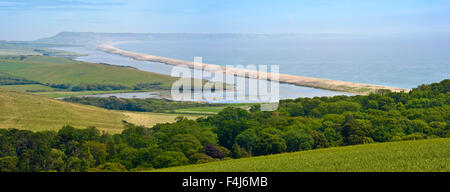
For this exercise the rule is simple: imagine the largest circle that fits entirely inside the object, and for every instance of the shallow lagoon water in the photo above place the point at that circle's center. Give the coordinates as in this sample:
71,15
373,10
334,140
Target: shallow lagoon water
286,91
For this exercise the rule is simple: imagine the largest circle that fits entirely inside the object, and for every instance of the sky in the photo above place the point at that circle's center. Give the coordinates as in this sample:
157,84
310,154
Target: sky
34,19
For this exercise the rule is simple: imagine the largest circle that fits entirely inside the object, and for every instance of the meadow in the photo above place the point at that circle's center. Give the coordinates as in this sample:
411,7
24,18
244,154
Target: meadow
10,49
38,113
405,156
54,70
211,110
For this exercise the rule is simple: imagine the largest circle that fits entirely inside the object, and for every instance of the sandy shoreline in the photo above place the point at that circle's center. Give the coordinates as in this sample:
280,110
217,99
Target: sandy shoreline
342,86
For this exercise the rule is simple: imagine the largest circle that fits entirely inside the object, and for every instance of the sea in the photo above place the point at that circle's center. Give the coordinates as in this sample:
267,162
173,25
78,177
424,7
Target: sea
396,60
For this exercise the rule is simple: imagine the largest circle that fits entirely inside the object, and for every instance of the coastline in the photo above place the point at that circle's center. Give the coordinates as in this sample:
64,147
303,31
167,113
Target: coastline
325,84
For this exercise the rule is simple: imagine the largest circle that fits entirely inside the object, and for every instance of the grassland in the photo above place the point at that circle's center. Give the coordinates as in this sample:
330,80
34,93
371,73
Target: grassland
150,119
11,49
29,87
64,71
408,156
211,110
37,113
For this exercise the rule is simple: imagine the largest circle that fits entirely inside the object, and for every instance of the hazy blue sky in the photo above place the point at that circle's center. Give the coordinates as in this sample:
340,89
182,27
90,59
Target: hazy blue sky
32,19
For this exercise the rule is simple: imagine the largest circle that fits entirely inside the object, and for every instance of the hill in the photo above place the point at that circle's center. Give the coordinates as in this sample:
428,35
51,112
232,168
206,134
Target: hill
23,48
32,112
410,156
63,71
84,38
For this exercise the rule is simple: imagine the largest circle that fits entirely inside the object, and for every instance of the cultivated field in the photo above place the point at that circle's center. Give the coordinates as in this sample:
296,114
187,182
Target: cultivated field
407,156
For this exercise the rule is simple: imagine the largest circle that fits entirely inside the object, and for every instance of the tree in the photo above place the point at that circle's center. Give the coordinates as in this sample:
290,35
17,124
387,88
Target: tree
247,139
200,158
8,164
334,138
230,122
97,150
170,159
352,132
214,151
109,167
74,164
320,141
185,143
269,144
240,152
298,140
56,160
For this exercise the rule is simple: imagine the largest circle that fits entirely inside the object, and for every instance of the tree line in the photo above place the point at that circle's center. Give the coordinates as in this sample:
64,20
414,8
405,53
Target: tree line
106,87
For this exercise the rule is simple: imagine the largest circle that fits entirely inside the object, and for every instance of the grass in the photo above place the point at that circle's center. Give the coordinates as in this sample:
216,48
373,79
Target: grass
63,71
151,119
431,155
60,94
37,113
211,110
56,93
30,87
14,49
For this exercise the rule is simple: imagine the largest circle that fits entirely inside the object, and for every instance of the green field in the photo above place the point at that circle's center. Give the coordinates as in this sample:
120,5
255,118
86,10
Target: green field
61,94
30,87
408,156
211,110
37,113
63,71
11,49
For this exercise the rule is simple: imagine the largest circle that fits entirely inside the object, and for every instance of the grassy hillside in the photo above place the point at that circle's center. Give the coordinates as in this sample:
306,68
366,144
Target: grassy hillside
213,109
411,156
37,113
63,71
32,49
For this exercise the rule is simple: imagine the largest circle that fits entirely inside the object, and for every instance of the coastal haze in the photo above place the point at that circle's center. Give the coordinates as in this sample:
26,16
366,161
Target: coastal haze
402,60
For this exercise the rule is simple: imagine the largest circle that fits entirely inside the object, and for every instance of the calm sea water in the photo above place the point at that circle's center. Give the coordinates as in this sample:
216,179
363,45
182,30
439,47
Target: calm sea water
286,91
404,61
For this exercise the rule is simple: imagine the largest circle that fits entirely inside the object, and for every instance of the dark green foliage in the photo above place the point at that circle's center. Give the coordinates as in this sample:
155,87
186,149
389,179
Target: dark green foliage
170,159
6,79
8,164
90,87
229,123
214,151
148,86
107,87
109,167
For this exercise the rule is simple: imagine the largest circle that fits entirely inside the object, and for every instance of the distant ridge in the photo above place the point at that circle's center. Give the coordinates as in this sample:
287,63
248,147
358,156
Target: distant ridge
87,38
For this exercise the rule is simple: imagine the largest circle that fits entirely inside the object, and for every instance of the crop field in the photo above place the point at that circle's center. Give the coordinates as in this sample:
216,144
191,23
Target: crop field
431,155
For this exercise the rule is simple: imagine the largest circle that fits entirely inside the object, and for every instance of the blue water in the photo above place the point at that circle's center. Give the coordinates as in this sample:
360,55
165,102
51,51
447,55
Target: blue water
286,91
404,61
